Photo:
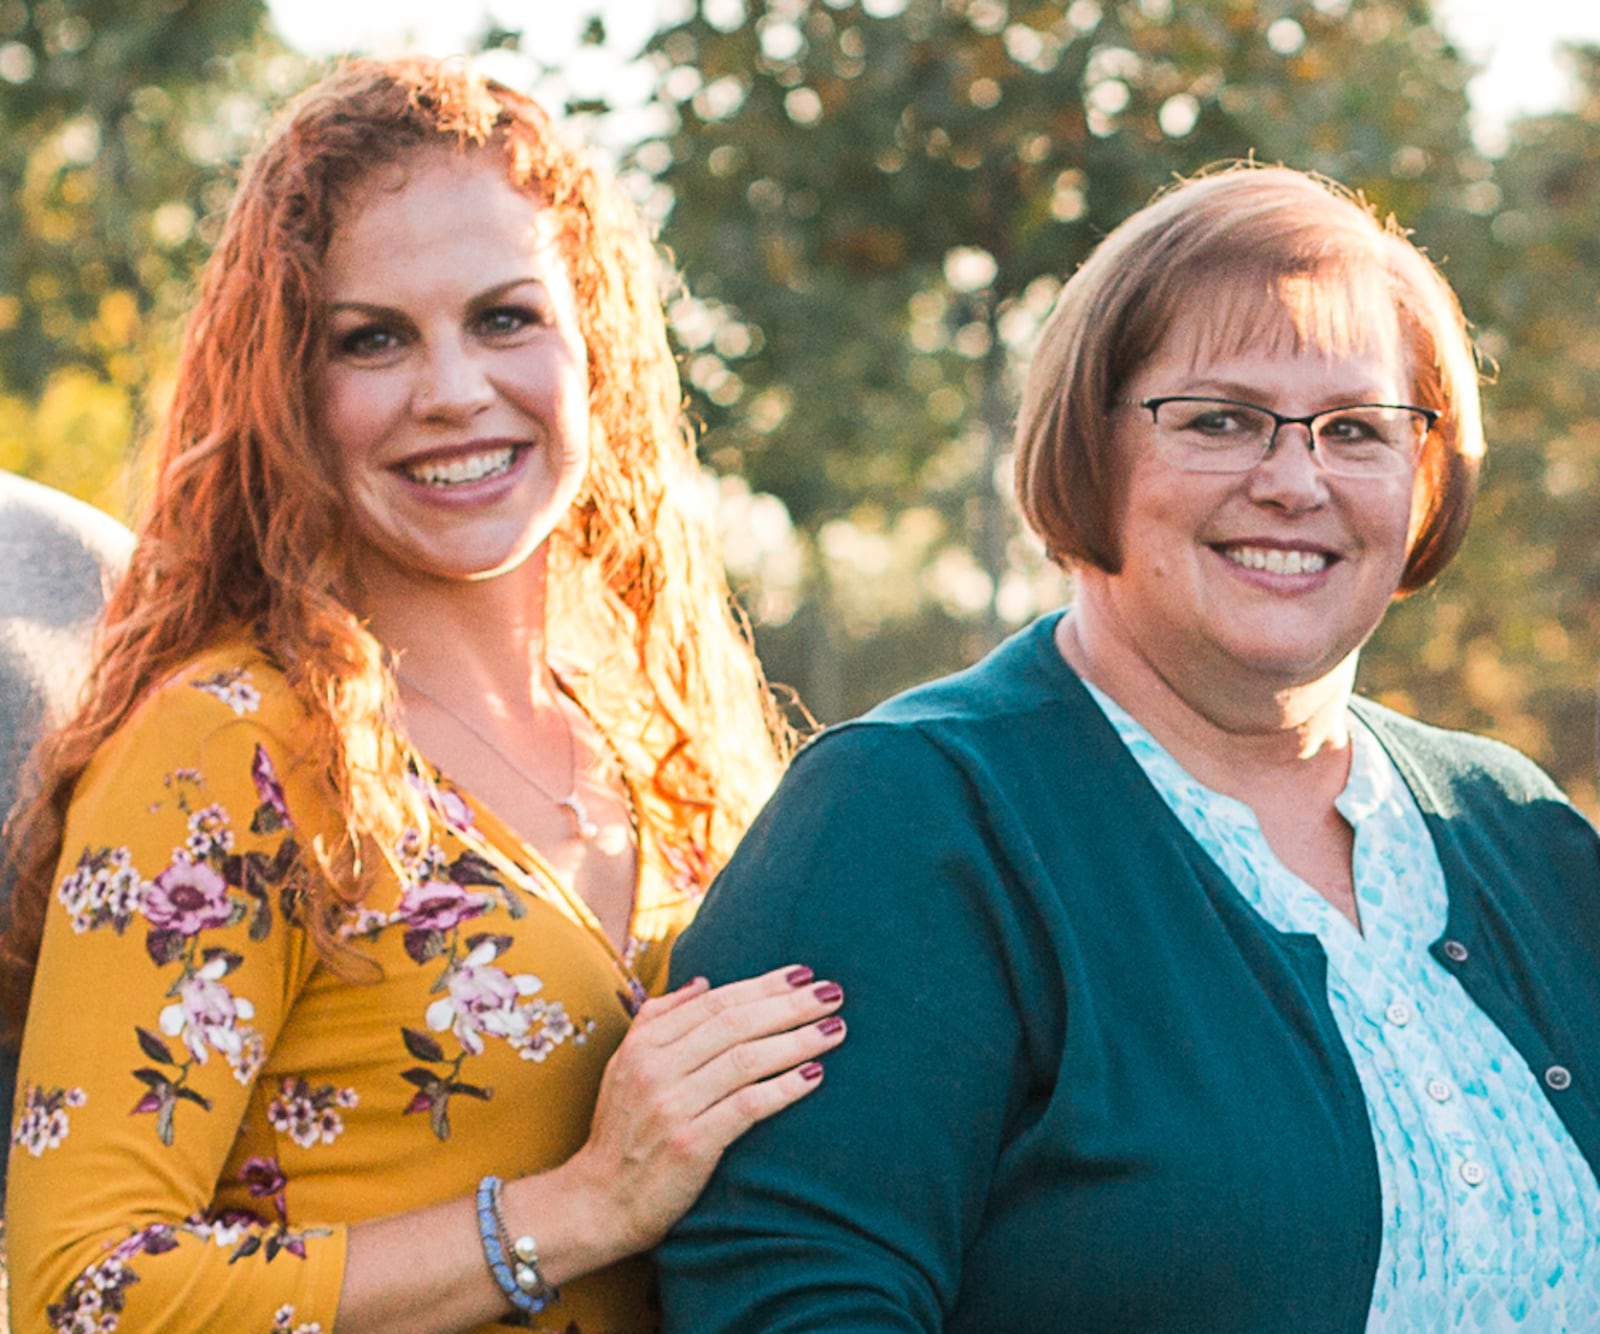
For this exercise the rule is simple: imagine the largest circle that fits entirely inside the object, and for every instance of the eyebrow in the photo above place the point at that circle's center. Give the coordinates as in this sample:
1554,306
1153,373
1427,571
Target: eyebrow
487,297
1209,388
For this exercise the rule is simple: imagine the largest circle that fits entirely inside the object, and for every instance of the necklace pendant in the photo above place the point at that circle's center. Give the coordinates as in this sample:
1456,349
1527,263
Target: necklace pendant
587,828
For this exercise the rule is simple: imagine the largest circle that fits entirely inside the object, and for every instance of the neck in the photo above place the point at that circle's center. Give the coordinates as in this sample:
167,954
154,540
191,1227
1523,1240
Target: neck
461,638
1228,730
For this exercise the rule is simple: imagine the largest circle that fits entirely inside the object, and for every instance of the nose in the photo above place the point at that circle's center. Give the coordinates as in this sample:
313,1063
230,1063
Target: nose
1290,475
451,384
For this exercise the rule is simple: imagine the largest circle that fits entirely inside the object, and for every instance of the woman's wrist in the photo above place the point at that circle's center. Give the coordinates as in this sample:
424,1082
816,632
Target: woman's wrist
577,1226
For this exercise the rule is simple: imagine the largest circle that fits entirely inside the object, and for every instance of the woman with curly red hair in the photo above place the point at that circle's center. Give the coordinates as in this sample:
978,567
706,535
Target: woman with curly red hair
418,725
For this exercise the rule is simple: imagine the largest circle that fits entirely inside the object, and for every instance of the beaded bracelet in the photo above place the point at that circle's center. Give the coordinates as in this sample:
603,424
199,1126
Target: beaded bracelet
523,1287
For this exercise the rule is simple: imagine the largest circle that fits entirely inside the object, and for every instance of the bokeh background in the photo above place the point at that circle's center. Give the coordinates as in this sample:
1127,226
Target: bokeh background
872,204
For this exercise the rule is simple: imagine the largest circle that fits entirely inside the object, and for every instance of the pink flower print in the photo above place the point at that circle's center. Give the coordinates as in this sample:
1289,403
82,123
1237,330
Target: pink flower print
420,862
93,1303
449,804
44,1123
208,833
307,1114
268,790
103,889
439,905
263,1177
187,898
206,1014
363,922
689,868
480,1000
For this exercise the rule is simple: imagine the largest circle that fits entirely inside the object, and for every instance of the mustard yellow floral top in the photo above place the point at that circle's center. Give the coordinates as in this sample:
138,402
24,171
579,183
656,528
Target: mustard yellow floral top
204,1105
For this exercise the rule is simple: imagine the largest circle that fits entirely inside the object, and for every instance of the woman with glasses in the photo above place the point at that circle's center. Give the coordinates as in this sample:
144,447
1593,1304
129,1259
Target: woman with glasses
1190,990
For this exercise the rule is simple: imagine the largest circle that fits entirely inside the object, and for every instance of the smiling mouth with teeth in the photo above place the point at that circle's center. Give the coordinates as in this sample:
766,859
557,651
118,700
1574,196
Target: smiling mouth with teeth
460,471
1274,561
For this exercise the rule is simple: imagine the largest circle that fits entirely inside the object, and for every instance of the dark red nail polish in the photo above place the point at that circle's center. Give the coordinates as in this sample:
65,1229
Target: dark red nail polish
811,1070
831,1025
798,977
828,992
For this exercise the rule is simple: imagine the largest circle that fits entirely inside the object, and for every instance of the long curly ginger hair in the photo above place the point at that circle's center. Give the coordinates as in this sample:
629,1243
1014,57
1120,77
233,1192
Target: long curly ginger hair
245,526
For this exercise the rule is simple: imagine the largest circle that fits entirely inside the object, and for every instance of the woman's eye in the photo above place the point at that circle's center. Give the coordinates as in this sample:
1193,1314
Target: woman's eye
1215,423
370,340
1347,430
503,320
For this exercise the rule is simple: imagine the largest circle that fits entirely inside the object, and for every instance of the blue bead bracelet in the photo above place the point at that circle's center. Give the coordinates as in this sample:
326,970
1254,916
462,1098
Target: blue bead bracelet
490,1233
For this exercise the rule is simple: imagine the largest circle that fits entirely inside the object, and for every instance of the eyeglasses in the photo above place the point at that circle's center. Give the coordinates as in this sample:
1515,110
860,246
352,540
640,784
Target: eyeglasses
1225,435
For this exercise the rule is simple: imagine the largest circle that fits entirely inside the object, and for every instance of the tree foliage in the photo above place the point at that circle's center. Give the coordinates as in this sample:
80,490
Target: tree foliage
874,212
1510,643
874,202
121,122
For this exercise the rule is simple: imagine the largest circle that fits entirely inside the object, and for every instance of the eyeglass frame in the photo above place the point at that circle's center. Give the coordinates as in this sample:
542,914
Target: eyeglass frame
1430,418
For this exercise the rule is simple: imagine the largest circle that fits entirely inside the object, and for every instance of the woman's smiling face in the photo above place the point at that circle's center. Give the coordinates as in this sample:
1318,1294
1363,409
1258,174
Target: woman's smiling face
1269,578
455,388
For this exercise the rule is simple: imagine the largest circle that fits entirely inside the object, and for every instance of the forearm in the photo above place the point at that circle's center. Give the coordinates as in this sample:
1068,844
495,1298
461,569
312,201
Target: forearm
425,1270
697,1070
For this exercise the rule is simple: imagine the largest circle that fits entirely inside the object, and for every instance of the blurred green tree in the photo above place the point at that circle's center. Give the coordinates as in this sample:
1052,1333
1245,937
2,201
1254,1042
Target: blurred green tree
1510,643
121,123
874,202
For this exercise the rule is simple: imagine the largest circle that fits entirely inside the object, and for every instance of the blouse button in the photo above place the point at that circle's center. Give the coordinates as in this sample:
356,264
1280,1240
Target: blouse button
1558,1077
1397,1013
1473,1173
1455,951
1438,1090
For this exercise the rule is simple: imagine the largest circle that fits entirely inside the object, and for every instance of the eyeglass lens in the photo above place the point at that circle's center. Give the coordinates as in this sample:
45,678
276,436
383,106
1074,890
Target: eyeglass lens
1214,435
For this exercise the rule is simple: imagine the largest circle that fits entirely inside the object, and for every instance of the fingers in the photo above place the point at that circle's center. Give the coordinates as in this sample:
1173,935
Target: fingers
698,1068
705,1045
724,1121
660,1005
671,1018
730,1037
757,1061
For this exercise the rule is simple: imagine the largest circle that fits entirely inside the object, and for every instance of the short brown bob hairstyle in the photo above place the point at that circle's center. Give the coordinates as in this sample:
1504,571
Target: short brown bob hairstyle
1248,253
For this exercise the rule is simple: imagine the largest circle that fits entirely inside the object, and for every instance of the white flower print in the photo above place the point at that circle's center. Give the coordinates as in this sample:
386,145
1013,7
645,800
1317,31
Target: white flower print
247,1061
233,687
283,1322
44,1122
549,1026
419,863
206,1014
480,999
226,1230
104,889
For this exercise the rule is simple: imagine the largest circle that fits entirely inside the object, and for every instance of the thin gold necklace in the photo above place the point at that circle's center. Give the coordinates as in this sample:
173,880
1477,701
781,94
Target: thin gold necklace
583,825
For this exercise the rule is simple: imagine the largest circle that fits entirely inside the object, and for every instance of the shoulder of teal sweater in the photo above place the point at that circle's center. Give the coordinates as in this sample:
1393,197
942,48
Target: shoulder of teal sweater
1463,763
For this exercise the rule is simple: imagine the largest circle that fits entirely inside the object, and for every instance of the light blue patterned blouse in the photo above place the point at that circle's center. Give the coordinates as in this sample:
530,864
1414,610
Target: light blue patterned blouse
1491,1215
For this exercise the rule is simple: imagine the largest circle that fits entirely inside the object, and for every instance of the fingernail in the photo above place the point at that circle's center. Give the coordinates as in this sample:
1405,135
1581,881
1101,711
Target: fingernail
811,1070
691,983
831,1025
798,977
828,992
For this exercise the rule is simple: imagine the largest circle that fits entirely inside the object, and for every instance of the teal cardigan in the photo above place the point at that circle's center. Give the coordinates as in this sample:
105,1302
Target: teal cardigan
1086,1087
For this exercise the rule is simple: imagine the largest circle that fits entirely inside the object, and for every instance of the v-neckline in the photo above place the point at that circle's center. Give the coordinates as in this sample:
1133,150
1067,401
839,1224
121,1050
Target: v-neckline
491,835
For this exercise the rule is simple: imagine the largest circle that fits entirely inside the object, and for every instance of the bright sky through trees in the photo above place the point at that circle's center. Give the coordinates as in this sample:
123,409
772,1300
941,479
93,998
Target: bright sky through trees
1515,42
